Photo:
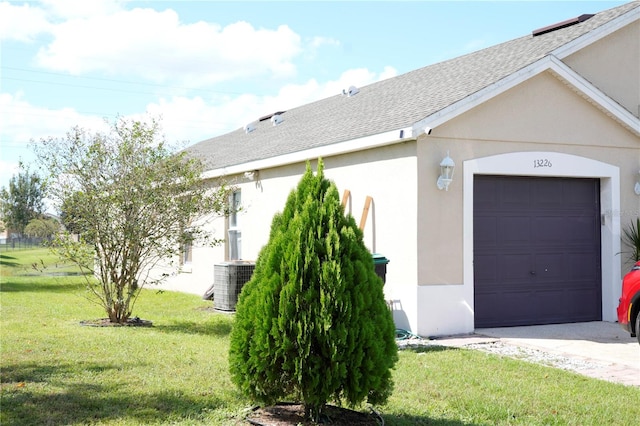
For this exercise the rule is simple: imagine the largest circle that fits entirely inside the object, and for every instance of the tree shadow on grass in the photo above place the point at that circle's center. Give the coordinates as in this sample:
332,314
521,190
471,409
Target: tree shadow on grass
208,328
88,404
37,286
29,399
39,373
6,261
54,274
427,348
411,420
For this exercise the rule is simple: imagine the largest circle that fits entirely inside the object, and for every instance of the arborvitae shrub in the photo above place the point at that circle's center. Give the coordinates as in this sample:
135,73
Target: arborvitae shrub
312,324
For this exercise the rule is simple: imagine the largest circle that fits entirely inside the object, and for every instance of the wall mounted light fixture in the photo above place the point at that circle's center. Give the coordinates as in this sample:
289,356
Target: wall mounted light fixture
446,173
637,187
251,175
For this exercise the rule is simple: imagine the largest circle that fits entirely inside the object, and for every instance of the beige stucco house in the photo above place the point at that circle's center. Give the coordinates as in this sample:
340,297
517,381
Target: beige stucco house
544,132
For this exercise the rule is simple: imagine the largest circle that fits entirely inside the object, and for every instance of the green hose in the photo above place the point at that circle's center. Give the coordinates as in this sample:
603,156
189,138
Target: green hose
405,335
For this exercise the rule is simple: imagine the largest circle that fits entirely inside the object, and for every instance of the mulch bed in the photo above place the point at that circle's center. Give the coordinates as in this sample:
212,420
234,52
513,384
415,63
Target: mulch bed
104,322
285,414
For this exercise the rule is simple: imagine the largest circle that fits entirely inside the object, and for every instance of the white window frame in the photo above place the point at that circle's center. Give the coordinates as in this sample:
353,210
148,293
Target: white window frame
234,231
187,253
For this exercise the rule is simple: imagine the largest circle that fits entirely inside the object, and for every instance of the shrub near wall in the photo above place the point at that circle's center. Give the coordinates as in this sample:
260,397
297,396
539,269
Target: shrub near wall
312,324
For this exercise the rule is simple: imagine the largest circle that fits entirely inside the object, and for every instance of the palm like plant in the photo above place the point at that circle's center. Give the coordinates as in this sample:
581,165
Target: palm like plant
631,238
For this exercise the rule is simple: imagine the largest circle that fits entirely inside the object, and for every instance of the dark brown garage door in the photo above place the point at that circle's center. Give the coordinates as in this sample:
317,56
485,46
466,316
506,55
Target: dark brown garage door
536,250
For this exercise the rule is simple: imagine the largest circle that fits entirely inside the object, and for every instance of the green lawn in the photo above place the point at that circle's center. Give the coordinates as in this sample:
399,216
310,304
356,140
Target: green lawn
55,371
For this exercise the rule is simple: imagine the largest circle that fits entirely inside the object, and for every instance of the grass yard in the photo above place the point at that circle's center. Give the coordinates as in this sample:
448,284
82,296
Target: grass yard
56,372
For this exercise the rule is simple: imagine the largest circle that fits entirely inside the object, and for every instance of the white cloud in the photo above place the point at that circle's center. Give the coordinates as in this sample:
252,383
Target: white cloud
156,45
323,41
27,21
7,170
102,36
183,119
73,9
22,23
388,72
23,121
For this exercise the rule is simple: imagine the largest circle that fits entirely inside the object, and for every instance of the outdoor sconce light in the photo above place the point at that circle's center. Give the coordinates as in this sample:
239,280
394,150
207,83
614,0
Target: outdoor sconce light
637,187
446,173
251,175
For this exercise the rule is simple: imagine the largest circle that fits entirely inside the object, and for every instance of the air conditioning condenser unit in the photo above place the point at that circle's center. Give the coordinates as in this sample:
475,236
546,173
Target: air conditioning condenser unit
228,280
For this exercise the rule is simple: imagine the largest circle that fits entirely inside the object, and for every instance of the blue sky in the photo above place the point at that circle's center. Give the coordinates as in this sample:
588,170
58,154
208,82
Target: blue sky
209,67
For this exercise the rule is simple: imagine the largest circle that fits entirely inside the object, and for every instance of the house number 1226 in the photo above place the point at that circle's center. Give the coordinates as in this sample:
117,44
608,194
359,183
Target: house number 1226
541,163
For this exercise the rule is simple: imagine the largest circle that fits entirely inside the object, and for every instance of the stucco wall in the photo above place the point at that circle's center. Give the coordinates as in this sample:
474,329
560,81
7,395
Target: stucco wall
541,118
619,55
386,174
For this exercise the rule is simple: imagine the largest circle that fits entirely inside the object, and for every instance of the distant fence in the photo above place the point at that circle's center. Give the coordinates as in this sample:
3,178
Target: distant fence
8,244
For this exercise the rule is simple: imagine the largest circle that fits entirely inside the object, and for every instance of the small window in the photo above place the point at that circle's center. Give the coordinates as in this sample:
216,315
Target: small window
187,253
187,249
234,242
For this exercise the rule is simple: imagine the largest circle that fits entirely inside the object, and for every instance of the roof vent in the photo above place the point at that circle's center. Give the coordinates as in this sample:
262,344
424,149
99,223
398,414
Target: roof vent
563,24
268,116
353,90
276,119
249,127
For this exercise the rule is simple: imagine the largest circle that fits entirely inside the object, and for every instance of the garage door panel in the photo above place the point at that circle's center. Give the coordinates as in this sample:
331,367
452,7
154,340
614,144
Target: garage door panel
487,196
487,231
549,230
514,230
580,301
581,193
548,303
514,266
513,194
582,230
583,266
486,269
514,306
523,307
549,266
548,194
543,265
519,304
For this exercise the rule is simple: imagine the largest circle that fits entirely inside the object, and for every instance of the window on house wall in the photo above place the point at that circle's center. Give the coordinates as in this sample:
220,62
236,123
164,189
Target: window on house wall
187,253
187,250
234,241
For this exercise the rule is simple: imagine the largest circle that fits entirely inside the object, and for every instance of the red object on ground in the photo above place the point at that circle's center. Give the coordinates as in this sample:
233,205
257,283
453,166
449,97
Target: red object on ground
629,306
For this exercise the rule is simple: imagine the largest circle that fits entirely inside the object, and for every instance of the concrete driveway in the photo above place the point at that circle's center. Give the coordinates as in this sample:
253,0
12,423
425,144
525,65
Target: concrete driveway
601,350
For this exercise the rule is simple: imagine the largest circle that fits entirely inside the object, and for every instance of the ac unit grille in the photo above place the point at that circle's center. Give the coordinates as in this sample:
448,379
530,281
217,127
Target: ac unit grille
228,280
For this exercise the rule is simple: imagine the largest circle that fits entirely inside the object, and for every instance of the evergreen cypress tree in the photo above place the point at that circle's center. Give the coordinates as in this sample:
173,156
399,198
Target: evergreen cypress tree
312,323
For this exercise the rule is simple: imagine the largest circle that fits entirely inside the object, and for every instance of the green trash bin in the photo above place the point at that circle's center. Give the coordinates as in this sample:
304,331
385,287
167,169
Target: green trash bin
380,262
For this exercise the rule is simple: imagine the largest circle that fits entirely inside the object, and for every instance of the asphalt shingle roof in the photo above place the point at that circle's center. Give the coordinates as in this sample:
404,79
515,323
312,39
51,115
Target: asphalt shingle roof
391,104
